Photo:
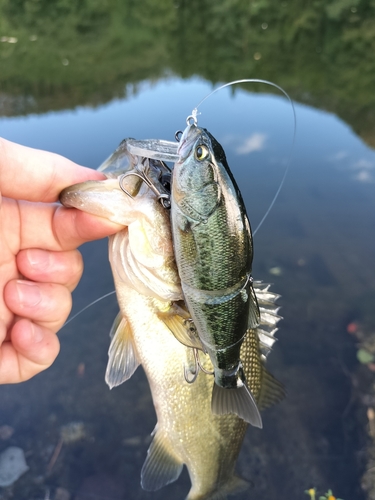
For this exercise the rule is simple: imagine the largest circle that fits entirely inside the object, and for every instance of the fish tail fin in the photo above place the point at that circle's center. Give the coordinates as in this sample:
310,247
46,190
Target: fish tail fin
233,486
237,400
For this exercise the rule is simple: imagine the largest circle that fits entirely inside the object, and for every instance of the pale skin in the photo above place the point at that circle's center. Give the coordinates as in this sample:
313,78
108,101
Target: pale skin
39,262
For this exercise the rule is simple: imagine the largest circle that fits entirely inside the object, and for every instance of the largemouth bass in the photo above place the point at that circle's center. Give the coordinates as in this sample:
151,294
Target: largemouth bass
149,295
214,252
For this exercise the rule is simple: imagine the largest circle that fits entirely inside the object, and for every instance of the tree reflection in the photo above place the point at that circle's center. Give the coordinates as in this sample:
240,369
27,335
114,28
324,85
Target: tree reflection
87,52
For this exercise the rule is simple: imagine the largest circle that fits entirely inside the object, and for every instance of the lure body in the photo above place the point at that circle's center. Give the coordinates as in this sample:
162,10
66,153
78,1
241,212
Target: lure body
214,253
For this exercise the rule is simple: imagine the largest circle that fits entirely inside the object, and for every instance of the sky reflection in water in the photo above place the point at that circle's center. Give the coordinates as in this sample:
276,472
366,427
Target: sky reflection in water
316,237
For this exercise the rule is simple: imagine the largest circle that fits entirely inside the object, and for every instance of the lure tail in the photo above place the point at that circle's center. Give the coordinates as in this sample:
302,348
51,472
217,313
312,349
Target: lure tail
236,400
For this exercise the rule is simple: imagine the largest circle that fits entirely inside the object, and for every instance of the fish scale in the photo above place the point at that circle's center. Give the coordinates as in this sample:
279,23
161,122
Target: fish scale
186,431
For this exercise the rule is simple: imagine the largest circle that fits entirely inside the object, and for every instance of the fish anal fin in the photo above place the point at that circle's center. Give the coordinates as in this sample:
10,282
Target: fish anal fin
178,320
161,467
233,486
271,392
122,357
239,401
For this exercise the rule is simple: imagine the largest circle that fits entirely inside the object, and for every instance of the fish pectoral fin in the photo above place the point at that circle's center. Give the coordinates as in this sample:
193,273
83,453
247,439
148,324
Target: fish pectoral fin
122,357
115,325
161,466
271,391
180,324
239,401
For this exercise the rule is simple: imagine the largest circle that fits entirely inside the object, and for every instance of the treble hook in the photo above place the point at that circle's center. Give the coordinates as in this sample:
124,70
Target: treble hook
121,180
197,366
162,197
193,372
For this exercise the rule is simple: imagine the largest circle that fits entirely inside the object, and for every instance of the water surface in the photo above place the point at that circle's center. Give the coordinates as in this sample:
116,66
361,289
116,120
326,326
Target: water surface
316,247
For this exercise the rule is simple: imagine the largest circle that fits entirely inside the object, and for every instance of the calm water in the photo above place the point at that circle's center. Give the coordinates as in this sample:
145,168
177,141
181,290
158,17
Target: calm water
316,246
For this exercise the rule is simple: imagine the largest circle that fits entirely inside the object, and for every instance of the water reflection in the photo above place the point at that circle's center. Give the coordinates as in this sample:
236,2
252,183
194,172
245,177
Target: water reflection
314,248
322,54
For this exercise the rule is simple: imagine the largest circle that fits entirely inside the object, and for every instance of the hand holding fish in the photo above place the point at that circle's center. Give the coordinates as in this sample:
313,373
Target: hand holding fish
40,264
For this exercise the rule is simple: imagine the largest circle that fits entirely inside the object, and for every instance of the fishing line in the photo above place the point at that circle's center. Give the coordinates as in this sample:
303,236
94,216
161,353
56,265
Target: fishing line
194,118
87,307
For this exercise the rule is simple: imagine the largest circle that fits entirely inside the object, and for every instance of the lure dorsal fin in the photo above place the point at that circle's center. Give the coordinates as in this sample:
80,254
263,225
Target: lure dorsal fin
271,392
269,317
161,466
122,357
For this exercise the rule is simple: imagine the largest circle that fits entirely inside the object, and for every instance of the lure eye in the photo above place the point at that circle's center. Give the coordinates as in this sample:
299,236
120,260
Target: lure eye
201,153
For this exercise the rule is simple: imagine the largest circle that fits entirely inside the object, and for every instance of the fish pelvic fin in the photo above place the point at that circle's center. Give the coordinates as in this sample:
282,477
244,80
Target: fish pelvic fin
122,357
161,466
179,322
271,391
233,486
236,400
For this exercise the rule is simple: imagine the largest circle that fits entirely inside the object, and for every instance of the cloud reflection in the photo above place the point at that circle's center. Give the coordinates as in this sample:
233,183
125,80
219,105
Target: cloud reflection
255,142
340,155
364,176
363,169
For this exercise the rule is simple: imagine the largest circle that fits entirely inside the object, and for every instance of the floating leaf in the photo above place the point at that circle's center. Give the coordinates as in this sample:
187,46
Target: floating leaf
364,356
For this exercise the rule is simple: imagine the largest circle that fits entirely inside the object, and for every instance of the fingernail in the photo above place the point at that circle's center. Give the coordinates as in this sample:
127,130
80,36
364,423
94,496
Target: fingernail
36,333
28,293
38,258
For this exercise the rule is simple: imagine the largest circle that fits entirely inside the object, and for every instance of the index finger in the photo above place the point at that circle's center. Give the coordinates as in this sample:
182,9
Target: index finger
35,175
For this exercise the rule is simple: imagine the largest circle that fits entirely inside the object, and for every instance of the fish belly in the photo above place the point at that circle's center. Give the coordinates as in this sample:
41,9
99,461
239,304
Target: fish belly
207,444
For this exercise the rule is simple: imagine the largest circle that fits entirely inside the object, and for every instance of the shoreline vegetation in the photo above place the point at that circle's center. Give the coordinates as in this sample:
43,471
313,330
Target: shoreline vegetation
57,54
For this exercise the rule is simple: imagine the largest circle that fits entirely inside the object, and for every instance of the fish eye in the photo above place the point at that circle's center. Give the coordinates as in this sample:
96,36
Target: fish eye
201,153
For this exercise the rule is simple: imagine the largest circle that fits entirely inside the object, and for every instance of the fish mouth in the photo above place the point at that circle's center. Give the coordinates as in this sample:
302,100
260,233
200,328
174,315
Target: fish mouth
77,195
187,141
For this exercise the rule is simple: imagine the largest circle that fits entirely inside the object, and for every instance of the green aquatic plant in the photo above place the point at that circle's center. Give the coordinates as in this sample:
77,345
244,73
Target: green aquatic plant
312,492
364,356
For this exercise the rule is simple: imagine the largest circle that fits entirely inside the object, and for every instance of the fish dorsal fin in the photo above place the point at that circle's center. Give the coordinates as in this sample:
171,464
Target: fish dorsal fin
179,322
161,466
254,314
122,358
271,392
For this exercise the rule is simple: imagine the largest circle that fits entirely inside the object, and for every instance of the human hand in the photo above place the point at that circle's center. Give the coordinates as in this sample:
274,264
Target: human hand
39,262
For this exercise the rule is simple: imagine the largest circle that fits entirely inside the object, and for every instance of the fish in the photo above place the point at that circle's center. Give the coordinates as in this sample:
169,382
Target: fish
214,252
151,304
